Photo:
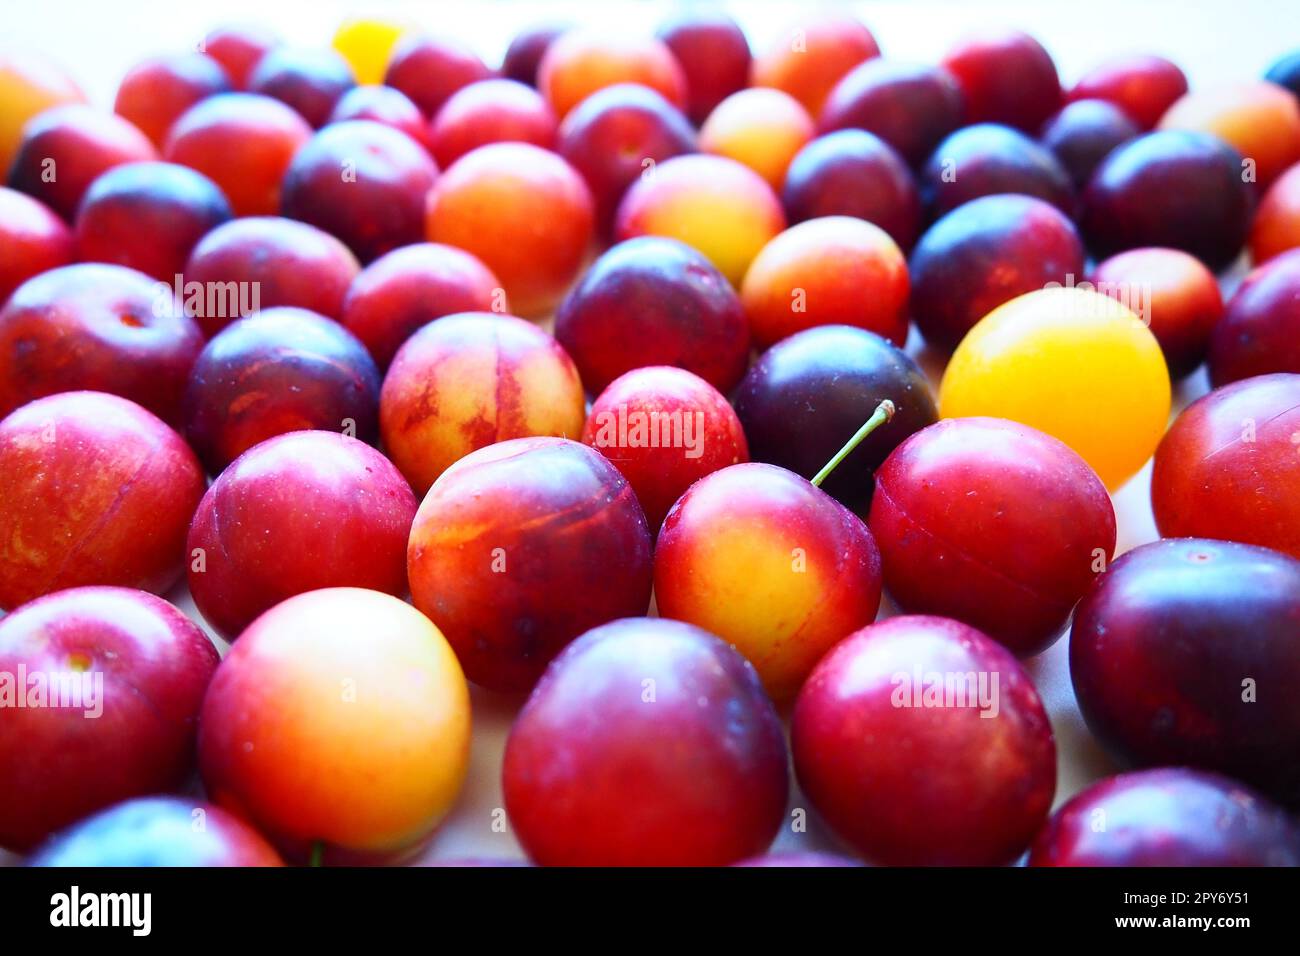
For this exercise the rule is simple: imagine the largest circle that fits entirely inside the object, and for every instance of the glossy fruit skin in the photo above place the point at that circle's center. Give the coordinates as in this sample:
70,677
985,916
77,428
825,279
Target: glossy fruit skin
830,271
994,524
241,141
279,370
308,79
911,107
403,290
262,515
78,143
280,261
761,128
722,208
772,565
853,173
1169,816
695,777
1276,227
1260,120
158,831
525,52
98,327
610,136
1143,86
987,159
366,774
96,490
379,207
988,782
1183,300
154,93
631,417
984,253
367,46
35,240
491,111
1005,76
130,735
1083,133
1260,329
29,84
1172,188
1227,467
581,61
239,49
148,217
471,379
1166,650
523,211
654,301
384,105
508,535
811,55
429,69
1070,362
713,53
809,394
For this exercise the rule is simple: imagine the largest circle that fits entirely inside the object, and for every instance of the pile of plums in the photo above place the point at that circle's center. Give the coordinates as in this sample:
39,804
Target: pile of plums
586,379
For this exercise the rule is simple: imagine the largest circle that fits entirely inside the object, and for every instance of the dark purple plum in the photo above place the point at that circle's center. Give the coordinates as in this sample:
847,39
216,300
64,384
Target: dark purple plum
309,80
714,55
1084,133
526,51
1260,330
987,158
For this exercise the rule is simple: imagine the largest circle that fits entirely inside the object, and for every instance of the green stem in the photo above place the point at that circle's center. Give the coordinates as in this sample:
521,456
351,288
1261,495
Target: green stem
883,413
317,854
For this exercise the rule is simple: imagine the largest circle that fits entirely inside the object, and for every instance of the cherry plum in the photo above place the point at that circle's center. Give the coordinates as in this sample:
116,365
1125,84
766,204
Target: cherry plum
811,55
525,52
430,69
1083,133
385,105
581,61
1142,85
239,48
154,93
1005,76
308,79
1276,227
491,111
1260,329
713,53
986,159
35,240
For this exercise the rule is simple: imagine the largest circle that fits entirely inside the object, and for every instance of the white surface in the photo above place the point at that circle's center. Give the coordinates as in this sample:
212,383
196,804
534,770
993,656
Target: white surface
1214,42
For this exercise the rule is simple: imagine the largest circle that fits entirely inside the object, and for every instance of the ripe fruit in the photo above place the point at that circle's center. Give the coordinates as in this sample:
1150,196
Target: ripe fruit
984,253
1083,133
308,79
1174,293
1260,120
922,742
103,692
1229,467
1276,227
811,55
158,831
1168,817
526,50
660,731
1143,86
469,380
580,62
1260,329
93,490
279,370
491,111
653,301
98,327
714,56
66,148
854,173
760,128
364,183
429,69
148,217
259,537
367,45
339,726
384,105
829,271
987,159
1005,76
1174,188
776,567
34,238
523,211
1183,653
994,524
258,262
1072,363
243,143
507,537
154,93
723,209
807,395
29,84
664,428
238,49
398,293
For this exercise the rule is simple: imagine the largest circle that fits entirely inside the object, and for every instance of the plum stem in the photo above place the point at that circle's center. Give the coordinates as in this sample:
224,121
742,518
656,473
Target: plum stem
883,413
317,854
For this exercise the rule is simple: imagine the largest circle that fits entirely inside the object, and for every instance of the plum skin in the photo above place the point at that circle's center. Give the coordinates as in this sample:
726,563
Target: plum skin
694,775
34,238
1168,646
924,785
154,664
1259,332
1168,817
